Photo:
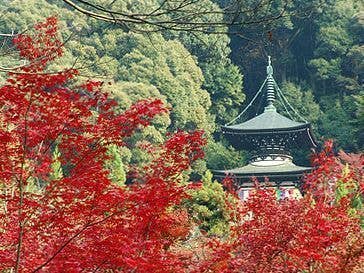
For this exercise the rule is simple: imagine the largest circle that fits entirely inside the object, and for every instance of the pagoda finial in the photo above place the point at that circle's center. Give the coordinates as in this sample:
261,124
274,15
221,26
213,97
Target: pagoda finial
270,87
269,67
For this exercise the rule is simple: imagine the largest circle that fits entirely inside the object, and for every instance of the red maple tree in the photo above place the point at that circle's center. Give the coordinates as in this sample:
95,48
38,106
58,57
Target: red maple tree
81,221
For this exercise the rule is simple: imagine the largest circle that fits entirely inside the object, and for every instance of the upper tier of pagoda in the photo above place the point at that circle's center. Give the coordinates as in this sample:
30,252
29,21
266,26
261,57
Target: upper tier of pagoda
270,132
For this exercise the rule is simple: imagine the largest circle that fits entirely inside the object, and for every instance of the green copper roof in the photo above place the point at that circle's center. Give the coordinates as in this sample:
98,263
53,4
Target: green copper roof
267,121
286,174
254,170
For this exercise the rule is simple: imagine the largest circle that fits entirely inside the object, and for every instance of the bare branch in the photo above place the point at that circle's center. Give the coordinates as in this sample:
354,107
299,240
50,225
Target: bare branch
190,15
8,34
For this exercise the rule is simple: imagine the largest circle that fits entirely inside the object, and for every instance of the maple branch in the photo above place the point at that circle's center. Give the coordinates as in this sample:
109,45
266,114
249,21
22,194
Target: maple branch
356,254
21,189
78,233
99,266
61,248
12,69
18,69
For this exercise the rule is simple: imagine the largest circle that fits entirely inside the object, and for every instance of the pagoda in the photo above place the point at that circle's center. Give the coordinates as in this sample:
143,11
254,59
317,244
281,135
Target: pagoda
270,138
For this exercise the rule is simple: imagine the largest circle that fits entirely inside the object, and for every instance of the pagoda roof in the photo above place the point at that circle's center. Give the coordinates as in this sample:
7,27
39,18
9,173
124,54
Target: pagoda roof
285,174
269,120
251,170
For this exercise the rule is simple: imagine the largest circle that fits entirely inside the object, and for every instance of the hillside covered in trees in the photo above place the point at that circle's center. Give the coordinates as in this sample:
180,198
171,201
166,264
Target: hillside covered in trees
317,51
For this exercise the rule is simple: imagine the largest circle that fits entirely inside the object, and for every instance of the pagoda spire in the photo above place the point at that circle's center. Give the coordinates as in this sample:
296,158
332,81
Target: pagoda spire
270,88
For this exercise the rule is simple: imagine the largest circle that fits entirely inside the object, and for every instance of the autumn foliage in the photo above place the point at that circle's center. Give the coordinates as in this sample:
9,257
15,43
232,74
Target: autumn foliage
79,221
320,232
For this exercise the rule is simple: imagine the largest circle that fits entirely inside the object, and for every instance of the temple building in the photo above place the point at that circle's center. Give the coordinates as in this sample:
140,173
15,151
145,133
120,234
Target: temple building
270,138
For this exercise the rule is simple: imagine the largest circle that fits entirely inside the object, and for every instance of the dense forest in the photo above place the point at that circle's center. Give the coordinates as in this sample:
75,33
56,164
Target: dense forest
317,56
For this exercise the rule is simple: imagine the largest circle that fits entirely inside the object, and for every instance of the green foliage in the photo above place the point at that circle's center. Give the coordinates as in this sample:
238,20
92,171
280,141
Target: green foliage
302,100
338,122
333,41
221,156
224,83
345,189
338,66
359,102
126,93
222,79
348,184
326,69
337,47
115,166
169,67
56,166
208,207
353,67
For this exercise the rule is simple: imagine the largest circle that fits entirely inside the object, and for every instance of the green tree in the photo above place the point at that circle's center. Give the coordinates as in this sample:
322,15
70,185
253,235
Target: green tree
209,208
115,166
337,54
359,103
301,98
223,80
221,156
224,83
174,72
338,122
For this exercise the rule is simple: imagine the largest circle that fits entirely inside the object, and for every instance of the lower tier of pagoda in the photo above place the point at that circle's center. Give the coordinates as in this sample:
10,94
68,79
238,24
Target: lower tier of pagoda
279,173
